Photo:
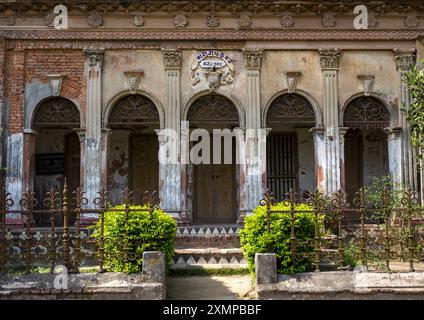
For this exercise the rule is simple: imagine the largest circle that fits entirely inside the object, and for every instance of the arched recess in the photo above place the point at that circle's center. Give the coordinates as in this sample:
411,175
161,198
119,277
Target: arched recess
290,144
213,183
231,99
133,145
365,142
56,148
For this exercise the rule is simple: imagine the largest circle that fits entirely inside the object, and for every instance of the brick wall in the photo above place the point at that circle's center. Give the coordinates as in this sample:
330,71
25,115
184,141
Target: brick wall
24,67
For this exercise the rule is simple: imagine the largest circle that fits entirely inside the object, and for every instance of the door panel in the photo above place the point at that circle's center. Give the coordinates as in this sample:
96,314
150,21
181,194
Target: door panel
145,165
353,162
224,192
205,192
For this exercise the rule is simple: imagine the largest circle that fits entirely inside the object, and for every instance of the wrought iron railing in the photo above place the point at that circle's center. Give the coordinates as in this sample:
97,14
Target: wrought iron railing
389,234
64,244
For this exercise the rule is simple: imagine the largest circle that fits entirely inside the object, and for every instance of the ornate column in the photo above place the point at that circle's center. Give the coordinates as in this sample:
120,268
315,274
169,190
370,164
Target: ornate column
320,157
254,150
394,146
92,162
405,59
329,59
172,194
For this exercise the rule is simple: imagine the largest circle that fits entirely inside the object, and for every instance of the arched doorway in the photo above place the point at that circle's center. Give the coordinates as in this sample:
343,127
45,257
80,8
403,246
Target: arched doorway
290,145
133,147
215,184
366,149
57,149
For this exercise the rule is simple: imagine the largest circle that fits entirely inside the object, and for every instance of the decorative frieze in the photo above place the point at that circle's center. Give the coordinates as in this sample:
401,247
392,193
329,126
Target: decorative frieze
328,21
411,22
172,58
367,83
330,58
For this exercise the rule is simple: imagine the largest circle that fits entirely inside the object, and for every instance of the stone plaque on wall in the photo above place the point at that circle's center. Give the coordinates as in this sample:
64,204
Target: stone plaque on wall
49,164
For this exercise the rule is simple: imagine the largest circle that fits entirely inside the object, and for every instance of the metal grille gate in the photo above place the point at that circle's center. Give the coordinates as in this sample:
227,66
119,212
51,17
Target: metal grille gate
282,163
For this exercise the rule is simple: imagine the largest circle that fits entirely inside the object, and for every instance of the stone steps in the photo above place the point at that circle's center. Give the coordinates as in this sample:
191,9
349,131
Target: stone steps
186,258
208,236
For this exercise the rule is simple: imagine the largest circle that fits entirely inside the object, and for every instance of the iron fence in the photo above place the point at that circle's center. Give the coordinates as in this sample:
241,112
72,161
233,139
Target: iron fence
64,244
389,234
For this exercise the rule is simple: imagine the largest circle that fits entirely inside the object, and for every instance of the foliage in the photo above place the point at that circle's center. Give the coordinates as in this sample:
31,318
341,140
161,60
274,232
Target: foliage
254,237
374,192
350,256
142,233
414,79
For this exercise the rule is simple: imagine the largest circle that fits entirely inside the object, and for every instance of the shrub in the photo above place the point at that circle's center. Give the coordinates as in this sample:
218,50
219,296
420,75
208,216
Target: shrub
142,232
255,238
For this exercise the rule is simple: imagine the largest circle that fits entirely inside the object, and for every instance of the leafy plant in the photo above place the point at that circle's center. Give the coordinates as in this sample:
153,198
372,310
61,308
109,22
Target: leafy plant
414,79
374,192
142,232
254,237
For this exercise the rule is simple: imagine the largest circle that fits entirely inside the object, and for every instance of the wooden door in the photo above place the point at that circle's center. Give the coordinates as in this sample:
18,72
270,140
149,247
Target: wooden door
353,162
224,192
144,165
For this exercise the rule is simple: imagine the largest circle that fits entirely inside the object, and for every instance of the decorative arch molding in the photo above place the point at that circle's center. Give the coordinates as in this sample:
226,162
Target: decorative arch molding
379,116
313,103
235,102
123,94
56,111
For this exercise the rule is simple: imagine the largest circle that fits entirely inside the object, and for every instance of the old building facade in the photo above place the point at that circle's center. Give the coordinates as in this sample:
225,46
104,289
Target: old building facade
87,102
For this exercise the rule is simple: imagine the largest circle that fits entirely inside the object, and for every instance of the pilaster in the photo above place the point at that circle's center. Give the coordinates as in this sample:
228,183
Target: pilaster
405,59
329,59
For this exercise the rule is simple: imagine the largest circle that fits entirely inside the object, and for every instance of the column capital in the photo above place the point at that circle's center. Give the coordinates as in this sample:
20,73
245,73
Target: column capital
253,58
405,58
317,130
81,134
94,56
329,58
392,132
172,58
342,131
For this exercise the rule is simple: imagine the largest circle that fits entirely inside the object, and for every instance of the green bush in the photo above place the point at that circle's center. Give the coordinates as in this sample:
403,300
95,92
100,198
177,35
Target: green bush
142,233
255,238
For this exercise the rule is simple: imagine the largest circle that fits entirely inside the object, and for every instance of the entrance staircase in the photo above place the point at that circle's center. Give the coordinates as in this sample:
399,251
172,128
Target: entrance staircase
208,246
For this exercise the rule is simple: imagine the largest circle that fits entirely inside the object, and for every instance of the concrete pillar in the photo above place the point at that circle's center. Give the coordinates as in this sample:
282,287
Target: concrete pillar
14,137
405,59
254,149
92,162
342,132
394,145
2,107
171,188
329,59
266,268
320,157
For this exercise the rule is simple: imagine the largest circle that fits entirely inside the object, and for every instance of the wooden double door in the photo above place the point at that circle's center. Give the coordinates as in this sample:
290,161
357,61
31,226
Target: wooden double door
215,193
145,164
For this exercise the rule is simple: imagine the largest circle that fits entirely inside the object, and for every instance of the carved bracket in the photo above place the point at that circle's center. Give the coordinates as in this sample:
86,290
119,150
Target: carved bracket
367,82
133,79
56,83
291,80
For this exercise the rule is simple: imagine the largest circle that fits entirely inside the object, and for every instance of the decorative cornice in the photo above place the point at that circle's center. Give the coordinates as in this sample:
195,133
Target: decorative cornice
405,59
94,56
215,34
253,58
307,7
172,58
330,58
